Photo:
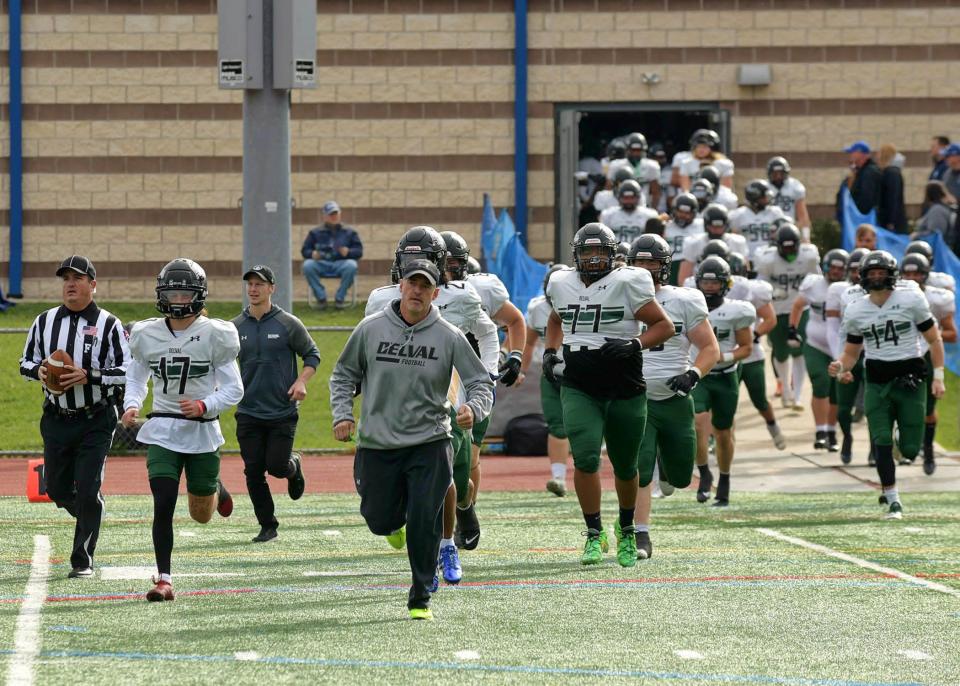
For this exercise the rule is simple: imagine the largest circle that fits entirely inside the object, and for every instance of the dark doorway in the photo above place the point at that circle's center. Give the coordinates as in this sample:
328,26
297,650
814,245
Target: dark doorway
671,130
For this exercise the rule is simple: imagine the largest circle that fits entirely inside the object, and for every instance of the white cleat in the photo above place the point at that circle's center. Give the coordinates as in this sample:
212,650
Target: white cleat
895,511
557,487
778,439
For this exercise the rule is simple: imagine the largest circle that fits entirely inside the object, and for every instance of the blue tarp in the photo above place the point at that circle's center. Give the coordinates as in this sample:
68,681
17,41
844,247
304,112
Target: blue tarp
505,256
944,260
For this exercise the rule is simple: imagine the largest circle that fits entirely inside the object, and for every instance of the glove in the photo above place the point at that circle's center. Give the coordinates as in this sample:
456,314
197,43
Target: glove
909,382
682,384
793,338
756,338
551,360
620,348
511,368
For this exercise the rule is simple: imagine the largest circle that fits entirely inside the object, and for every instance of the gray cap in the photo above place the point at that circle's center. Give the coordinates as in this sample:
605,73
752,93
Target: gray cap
78,264
261,270
423,267
330,207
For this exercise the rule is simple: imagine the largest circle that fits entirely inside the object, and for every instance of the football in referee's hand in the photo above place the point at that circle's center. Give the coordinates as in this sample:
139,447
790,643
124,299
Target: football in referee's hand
55,364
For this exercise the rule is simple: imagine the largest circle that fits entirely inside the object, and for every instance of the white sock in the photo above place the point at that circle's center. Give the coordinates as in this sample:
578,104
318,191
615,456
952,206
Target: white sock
799,374
558,470
444,542
821,427
167,578
832,428
773,428
656,472
642,527
783,373
892,495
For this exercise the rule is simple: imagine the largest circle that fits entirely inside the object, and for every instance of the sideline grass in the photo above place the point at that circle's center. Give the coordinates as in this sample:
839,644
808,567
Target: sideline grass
758,610
20,401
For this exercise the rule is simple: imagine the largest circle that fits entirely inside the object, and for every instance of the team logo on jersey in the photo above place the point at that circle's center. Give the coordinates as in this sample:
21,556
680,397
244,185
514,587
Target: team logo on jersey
194,338
399,353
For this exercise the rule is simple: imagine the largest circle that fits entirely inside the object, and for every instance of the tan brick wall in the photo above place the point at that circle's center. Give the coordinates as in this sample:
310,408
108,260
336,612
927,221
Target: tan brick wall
64,133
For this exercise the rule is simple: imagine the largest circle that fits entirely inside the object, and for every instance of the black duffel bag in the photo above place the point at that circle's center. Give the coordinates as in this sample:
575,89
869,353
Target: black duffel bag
525,435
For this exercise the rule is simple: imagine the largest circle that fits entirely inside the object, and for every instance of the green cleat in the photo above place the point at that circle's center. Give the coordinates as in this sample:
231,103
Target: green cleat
398,539
626,545
421,613
595,547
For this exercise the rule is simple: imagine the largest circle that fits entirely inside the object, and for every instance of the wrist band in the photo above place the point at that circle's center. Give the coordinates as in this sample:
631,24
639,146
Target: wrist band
938,373
516,353
727,357
696,370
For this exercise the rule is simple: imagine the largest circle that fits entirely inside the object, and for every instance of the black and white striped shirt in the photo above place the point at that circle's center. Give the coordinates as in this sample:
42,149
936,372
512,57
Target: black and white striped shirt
94,338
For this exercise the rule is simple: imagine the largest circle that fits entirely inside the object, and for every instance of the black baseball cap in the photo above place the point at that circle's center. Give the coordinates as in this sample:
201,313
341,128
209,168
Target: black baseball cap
424,268
78,264
263,271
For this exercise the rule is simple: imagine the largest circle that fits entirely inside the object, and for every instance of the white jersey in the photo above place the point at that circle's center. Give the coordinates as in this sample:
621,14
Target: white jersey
647,171
604,200
198,363
814,290
889,331
692,166
680,159
461,305
493,294
693,246
787,196
727,198
942,303
686,308
841,294
786,277
677,236
627,225
757,293
942,280
726,320
756,227
538,314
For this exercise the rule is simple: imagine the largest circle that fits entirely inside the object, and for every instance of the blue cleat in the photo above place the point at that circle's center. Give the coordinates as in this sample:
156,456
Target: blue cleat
450,564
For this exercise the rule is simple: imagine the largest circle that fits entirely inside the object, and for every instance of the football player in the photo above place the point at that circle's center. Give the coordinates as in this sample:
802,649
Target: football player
671,378
789,194
629,218
645,170
606,198
758,219
722,195
816,346
558,447
704,151
193,363
887,324
684,224
716,396
915,267
937,279
597,314
785,264
716,226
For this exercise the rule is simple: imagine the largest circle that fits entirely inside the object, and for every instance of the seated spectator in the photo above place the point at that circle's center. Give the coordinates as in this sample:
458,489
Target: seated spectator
331,250
939,214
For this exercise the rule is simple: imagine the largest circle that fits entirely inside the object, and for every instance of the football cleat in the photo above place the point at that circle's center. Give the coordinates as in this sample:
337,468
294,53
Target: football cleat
162,590
80,573
777,435
267,533
557,487
435,582
895,511
626,545
644,546
929,466
296,483
424,613
398,539
820,442
450,564
224,500
846,451
720,502
703,489
469,527
832,445
595,546
882,500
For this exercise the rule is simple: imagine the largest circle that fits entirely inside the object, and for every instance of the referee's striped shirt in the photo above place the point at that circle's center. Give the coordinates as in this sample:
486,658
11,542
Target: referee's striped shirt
94,338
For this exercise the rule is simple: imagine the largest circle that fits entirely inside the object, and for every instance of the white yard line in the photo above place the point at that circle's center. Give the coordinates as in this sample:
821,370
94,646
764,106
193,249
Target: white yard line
866,564
26,638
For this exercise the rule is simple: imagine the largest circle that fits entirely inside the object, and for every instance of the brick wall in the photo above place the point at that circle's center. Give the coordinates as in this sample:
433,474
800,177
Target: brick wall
133,154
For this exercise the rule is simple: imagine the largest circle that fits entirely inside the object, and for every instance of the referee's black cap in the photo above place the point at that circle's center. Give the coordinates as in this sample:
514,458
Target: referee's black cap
78,264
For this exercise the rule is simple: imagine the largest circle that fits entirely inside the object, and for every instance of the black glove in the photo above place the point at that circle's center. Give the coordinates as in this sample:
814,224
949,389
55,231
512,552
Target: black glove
551,360
510,370
682,384
909,382
620,348
793,338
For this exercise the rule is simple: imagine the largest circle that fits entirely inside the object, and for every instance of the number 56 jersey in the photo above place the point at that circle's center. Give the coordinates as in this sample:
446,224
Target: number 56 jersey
890,332
591,314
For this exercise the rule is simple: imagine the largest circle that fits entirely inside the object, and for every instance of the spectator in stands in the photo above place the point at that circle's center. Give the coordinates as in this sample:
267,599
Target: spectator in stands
951,177
866,179
938,145
891,213
866,237
939,214
331,250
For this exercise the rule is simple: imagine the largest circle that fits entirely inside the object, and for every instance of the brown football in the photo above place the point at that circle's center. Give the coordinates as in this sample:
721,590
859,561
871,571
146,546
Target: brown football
55,367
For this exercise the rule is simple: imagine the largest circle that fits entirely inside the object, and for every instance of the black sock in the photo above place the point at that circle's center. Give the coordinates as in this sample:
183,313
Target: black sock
771,422
704,469
164,503
886,468
929,430
626,517
723,487
593,521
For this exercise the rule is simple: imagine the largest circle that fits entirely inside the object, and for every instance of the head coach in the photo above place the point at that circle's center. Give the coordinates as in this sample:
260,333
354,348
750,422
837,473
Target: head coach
404,359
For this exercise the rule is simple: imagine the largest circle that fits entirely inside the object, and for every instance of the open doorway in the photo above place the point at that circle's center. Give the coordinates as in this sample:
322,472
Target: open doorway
583,129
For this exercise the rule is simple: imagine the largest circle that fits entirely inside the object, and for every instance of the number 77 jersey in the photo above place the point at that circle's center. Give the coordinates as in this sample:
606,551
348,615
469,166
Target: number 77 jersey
890,330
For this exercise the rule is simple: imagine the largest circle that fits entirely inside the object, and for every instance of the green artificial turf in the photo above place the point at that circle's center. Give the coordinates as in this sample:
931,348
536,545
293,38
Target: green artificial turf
325,602
20,400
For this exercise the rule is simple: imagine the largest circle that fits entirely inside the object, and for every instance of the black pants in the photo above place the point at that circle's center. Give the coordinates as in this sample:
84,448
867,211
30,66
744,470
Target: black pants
265,445
407,486
74,453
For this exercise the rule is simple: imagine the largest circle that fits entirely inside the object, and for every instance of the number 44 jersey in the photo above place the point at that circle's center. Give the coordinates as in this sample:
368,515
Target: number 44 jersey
889,331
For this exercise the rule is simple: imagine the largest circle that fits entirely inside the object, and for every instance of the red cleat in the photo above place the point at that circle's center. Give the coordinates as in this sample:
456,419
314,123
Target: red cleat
224,501
161,591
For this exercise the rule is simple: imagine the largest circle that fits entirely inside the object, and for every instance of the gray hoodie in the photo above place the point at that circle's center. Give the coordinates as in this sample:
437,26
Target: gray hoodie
404,372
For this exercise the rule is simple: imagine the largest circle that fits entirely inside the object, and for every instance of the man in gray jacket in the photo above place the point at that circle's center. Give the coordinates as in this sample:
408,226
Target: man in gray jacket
404,359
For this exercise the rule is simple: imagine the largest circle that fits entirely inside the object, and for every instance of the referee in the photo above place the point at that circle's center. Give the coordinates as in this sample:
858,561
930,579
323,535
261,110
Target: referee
404,358
77,425
270,341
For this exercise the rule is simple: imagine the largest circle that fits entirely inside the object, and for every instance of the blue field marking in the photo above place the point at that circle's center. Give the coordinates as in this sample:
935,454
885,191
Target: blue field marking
467,667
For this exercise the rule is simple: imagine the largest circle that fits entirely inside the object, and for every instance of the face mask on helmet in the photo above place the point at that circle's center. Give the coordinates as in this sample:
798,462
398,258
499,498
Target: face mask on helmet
715,229
457,268
878,279
629,200
594,259
713,289
181,289
789,250
684,213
